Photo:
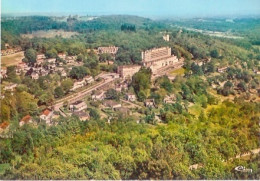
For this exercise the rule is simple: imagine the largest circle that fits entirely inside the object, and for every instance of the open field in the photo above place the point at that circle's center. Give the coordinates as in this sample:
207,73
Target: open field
13,59
49,34
179,71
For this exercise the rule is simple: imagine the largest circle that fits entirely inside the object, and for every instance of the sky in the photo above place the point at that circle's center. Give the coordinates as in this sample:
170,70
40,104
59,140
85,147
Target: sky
159,8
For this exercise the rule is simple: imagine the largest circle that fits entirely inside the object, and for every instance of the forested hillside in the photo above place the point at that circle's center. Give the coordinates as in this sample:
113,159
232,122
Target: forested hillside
127,150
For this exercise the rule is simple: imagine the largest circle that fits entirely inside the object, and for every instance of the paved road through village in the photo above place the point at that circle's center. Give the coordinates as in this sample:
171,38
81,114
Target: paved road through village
108,78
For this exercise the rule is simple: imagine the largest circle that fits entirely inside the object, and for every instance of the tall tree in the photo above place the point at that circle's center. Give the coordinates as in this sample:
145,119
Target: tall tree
31,55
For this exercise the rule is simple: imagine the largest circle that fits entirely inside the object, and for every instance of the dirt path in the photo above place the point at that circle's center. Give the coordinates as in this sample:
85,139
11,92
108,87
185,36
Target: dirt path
133,104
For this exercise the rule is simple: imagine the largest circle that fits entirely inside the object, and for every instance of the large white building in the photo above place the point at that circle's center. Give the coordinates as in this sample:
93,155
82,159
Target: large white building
158,58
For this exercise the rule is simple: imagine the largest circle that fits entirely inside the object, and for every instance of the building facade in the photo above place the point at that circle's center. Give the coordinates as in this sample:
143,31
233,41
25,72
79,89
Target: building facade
127,71
47,116
111,50
166,37
78,106
158,58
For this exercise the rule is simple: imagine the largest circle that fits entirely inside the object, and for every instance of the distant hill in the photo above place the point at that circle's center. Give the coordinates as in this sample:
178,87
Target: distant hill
28,24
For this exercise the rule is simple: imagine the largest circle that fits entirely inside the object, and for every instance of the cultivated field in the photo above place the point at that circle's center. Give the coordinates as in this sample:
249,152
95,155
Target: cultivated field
49,34
12,59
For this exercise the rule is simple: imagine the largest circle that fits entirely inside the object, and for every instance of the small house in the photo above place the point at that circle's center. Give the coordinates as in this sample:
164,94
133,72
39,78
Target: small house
39,62
10,87
169,99
89,79
131,97
121,86
78,106
3,72
78,84
51,60
149,103
35,76
4,126
98,96
62,56
63,73
40,57
46,116
222,69
25,120
71,59
44,72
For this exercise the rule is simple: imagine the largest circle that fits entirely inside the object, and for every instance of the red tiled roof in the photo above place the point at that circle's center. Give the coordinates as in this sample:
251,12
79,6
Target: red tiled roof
26,119
4,125
46,112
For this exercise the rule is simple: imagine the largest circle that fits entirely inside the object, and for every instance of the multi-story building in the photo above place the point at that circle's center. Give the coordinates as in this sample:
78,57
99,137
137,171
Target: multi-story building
98,96
127,71
158,58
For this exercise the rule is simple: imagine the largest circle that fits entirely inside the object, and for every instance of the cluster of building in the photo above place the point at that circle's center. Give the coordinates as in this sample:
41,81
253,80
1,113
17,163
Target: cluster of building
43,66
46,116
155,59
9,51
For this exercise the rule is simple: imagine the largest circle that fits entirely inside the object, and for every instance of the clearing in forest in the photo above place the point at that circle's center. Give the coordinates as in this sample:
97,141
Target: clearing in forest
49,34
12,59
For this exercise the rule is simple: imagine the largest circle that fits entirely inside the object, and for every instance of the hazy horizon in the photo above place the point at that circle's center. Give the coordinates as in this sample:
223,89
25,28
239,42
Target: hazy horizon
145,8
